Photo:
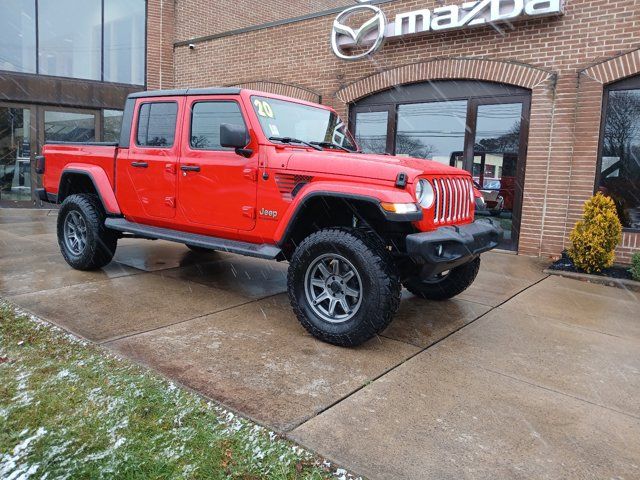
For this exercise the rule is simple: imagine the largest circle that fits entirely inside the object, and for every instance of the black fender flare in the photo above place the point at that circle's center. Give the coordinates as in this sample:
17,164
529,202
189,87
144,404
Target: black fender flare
389,216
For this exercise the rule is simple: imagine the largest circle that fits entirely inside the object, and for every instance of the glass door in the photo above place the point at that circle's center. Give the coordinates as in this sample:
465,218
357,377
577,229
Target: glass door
494,154
16,136
480,127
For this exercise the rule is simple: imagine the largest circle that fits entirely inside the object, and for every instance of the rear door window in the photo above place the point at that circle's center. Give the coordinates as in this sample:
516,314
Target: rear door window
157,124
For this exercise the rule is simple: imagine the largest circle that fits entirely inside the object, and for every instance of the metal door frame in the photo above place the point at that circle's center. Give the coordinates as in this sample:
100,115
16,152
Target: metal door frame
469,142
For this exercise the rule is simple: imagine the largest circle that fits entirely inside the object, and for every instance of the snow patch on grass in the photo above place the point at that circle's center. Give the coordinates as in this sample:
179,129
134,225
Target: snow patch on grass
105,417
14,465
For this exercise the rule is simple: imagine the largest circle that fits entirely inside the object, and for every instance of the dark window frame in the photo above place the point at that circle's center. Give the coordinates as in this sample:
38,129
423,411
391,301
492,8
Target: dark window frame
629,83
102,80
221,149
175,126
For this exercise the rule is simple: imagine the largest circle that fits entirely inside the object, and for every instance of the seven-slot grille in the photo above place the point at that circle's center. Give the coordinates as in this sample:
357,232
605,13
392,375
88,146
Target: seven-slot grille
453,197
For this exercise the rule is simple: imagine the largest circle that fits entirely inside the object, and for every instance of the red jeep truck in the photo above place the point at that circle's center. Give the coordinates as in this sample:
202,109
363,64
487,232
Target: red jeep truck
277,178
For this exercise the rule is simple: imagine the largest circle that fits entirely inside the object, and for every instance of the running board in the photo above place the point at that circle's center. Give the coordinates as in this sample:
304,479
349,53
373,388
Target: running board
222,244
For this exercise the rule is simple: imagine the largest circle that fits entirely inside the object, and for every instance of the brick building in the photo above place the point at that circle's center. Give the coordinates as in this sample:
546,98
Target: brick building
542,107
555,72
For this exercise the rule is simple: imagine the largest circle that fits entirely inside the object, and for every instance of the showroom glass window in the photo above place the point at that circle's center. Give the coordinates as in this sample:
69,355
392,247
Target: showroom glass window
70,38
101,40
18,36
620,150
111,125
124,41
432,130
371,131
61,126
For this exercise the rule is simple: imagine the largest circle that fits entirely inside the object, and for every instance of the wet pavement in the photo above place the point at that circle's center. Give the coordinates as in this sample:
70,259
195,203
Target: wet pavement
521,376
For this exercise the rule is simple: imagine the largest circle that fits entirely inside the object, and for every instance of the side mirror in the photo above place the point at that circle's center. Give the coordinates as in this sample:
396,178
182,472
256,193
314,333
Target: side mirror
235,136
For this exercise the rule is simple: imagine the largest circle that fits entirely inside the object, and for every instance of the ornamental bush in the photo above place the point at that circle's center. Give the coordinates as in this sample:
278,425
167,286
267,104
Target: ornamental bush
594,238
635,266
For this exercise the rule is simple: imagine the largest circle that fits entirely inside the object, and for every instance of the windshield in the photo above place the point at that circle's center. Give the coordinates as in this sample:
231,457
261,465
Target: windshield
280,118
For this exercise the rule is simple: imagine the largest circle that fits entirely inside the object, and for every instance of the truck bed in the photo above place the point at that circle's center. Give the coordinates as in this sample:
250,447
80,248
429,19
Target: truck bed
59,155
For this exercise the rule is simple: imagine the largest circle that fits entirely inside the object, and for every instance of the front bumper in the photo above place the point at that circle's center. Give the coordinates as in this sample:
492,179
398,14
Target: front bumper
449,247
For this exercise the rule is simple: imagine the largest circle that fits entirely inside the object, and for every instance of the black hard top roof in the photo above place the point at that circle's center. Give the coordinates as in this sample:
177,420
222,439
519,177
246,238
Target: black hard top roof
187,91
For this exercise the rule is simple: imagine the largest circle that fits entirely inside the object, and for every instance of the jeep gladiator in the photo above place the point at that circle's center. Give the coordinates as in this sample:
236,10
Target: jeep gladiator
277,178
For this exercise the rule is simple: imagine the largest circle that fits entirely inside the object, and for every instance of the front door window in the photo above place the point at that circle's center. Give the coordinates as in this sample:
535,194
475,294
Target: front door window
15,153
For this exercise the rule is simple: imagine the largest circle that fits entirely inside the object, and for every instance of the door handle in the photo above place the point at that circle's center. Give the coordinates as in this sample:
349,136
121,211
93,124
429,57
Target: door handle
139,164
190,168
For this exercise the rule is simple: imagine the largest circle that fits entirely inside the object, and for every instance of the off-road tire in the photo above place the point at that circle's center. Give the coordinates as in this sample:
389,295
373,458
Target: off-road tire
380,293
100,242
454,283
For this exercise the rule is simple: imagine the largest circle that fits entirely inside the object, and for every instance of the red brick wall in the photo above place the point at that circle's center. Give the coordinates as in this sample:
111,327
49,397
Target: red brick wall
199,18
160,38
565,113
589,114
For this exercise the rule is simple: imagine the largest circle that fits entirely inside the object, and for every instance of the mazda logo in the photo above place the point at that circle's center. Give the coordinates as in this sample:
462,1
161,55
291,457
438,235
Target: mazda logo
377,24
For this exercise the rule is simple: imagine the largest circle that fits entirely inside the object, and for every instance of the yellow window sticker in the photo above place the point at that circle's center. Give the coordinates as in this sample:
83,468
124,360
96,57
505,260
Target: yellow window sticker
263,107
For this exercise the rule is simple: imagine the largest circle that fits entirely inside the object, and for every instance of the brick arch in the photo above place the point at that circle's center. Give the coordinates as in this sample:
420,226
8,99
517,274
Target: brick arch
279,88
511,73
584,161
614,69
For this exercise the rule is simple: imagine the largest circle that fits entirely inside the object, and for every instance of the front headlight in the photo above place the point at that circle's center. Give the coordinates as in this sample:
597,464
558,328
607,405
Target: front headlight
424,193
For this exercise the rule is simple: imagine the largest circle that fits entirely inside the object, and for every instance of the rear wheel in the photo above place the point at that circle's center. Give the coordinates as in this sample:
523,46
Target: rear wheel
85,243
343,286
445,285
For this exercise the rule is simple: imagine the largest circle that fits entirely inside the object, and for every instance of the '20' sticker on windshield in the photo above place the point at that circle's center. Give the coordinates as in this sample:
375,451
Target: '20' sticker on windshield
263,107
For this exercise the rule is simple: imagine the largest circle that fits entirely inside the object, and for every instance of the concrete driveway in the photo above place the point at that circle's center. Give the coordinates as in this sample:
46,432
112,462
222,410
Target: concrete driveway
522,376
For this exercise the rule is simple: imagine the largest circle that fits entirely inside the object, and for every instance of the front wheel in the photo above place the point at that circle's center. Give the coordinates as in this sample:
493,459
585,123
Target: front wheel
343,286
445,285
85,243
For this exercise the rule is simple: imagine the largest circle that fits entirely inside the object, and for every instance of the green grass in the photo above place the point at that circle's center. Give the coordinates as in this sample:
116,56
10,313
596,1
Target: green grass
71,410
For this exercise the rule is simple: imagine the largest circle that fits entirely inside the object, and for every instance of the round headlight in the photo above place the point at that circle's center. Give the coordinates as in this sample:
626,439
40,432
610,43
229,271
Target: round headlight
424,193
419,189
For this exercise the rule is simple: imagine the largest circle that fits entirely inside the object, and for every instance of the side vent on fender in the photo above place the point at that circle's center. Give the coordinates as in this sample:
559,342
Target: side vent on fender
290,185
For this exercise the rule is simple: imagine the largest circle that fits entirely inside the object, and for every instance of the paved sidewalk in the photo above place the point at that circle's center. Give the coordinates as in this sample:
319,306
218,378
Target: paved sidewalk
522,376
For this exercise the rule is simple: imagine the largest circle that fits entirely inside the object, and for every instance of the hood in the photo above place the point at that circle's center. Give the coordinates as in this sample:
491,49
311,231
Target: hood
380,167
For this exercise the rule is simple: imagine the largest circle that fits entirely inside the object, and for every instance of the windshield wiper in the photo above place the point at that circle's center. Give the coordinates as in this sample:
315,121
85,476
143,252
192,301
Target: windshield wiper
331,144
295,140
